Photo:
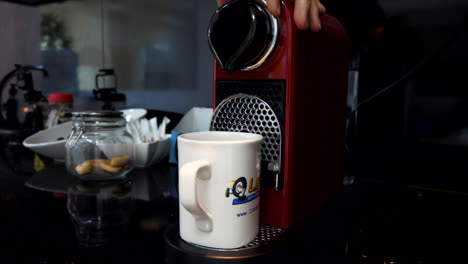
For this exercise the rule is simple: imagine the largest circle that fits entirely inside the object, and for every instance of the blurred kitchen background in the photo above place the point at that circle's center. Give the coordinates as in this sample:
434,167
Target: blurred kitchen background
407,103
158,49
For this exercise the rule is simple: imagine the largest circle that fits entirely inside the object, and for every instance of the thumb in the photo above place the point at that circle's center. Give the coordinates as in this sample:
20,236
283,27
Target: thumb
274,7
222,2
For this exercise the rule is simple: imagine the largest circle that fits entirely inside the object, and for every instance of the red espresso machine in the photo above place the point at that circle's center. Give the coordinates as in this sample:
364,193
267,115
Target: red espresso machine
289,86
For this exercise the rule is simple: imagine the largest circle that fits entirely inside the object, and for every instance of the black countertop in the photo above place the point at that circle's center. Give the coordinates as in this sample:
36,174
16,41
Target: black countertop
372,222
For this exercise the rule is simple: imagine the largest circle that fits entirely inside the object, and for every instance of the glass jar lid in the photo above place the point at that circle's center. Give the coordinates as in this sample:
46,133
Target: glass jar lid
99,114
100,118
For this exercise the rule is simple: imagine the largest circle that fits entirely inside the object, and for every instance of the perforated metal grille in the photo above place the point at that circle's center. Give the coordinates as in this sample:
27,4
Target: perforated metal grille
246,113
265,235
271,91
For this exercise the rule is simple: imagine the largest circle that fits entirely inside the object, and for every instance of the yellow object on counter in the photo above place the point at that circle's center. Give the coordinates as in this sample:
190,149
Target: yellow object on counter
38,163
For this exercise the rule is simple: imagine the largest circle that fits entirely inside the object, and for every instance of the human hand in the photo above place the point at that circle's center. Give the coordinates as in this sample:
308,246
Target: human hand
306,12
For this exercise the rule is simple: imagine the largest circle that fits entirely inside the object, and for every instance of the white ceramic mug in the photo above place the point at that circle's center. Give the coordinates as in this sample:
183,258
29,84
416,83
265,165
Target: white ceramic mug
219,187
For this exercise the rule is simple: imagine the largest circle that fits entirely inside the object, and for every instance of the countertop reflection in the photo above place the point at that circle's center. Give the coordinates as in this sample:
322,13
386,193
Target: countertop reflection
100,211
110,221
372,222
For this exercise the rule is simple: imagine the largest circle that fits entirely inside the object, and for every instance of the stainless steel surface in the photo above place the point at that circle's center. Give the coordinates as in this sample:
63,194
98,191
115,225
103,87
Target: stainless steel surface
265,235
277,180
247,113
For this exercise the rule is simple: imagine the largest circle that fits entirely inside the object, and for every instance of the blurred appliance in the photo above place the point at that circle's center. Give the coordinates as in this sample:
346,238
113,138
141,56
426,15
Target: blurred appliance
33,113
106,90
20,118
290,86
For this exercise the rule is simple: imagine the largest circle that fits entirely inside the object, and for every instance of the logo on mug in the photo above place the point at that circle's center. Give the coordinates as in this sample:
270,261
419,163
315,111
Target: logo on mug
241,192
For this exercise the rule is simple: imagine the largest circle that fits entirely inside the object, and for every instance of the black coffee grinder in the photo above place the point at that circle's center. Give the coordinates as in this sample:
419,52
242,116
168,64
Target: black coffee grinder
33,119
13,129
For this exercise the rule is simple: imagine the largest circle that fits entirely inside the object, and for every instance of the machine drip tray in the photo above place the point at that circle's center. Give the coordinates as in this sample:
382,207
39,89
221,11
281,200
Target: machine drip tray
262,248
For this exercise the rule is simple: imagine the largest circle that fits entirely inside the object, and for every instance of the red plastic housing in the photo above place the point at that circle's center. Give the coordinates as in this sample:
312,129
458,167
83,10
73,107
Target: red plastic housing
315,68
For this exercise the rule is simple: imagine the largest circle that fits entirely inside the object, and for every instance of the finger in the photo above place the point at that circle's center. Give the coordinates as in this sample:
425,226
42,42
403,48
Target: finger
274,7
322,9
222,2
301,13
314,25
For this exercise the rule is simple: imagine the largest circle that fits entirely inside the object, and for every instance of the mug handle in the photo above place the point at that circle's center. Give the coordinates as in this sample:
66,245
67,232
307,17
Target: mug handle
188,192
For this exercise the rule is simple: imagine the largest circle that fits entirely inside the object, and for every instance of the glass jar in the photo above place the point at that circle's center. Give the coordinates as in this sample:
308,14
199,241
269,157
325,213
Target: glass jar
60,108
99,147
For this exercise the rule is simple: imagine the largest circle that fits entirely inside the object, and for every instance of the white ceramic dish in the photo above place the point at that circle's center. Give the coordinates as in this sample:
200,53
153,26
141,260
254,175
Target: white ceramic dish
147,154
133,114
45,142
